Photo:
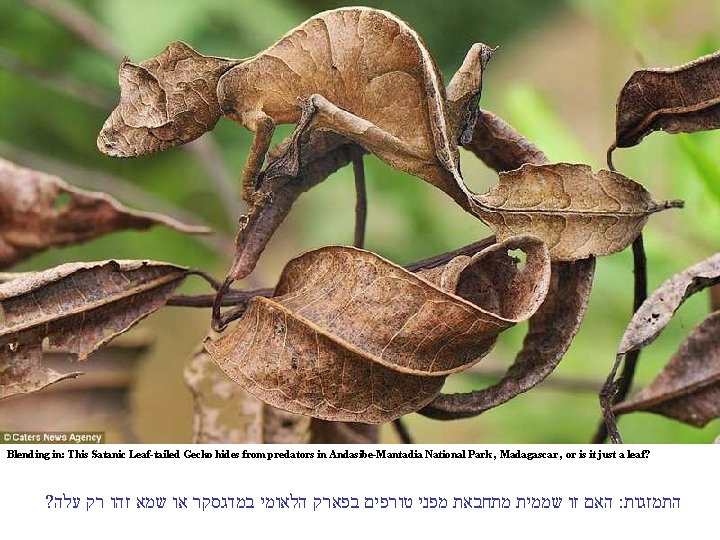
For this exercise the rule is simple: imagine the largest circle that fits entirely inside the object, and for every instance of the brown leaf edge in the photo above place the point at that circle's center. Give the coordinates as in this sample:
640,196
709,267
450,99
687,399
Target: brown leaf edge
657,311
688,387
78,307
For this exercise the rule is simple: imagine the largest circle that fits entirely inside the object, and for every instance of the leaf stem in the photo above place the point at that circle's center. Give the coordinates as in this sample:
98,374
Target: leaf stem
360,199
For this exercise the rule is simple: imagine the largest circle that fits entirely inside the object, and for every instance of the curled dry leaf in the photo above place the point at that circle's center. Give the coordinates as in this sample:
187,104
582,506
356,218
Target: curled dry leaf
577,212
78,307
553,327
685,98
324,154
655,313
688,388
335,344
164,102
39,211
550,333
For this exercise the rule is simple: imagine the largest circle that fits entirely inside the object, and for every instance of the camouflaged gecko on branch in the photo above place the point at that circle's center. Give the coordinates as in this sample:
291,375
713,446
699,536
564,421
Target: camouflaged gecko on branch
357,80
360,73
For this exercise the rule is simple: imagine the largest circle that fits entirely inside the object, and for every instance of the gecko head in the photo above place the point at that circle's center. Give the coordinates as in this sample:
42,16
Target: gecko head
166,101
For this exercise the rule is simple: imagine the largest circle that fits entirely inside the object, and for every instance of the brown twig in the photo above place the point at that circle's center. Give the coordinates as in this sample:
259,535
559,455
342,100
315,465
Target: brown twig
360,199
402,431
230,298
615,391
443,258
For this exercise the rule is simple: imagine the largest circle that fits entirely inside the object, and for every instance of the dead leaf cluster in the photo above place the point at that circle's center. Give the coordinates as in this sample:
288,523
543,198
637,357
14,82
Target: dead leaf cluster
347,337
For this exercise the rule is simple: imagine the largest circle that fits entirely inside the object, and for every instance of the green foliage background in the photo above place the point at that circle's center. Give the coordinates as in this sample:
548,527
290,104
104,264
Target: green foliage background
555,77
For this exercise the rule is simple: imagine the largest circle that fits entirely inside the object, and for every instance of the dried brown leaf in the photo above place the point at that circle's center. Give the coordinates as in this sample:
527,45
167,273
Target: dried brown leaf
684,98
576,212
688,388
165,101
656,312
551,330
39,211
78,307
335,343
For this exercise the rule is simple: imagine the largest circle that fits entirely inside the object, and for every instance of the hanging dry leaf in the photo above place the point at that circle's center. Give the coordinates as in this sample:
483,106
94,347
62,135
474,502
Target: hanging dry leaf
164,102
335,343
324,153
550,333
499,146
553,327
39,211
685,98
576,212
688,388
78,307
656,312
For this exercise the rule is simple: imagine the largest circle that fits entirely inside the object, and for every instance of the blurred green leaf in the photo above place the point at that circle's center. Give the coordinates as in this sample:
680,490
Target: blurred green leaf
706,165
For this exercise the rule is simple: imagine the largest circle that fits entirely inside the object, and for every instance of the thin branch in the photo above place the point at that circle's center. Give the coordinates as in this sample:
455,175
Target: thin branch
608,156
443,258
402,431
231,298
360,199
614,392
607,398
